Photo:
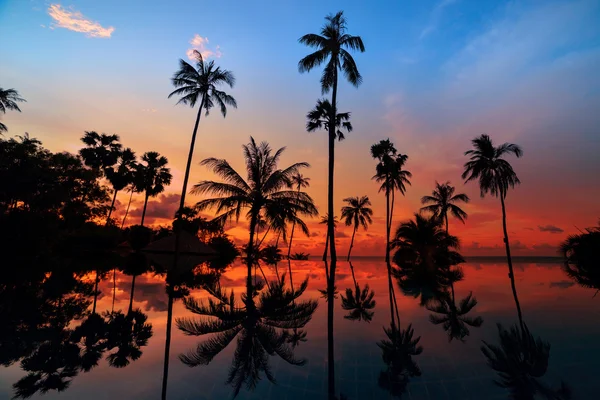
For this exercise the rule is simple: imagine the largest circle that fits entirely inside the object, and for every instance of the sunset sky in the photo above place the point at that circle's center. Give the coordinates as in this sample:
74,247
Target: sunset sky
436,74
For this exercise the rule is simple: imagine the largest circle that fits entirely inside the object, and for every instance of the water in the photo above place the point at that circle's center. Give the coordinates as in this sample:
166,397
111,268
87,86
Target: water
554,308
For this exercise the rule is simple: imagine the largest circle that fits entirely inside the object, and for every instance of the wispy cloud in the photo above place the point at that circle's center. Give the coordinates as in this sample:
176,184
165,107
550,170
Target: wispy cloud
200,44
550,229
435,18
77,22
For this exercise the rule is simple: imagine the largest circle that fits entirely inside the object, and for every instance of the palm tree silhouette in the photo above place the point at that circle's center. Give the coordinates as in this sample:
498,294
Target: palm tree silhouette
101,152
454,317
324,221
358,302
121,176
581,257
443,200
496,176
153,176
128,333
8,101
332,47
261,326
264,194
357,213
299,181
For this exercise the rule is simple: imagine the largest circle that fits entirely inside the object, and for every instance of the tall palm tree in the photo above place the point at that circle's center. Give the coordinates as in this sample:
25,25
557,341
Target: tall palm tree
454,317
264,194
121,176
299,182
443,200
8,101
332,48
496,175
357,213
101,152
153,177
325,221
201,83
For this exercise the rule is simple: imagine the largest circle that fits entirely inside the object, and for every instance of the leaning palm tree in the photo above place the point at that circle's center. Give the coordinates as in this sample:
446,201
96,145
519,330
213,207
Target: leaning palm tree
454,317
495,176
299,182
153,177
8,101
121,176
357,213
332,48
264,194
443,200
325,221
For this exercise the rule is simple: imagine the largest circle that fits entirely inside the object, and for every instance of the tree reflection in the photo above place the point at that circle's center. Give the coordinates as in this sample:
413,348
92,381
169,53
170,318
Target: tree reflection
581,255
358,302
453,317
127,333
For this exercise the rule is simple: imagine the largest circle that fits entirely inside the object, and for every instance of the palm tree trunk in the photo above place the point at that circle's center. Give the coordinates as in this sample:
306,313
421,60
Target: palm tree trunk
291,279
190,156
387,226
114,289
127,212
351,243
511,274
330,338
292,234
353,277
144,212
95,293
112,206
326,245
250,254
332,128
167,347
131,295
446,224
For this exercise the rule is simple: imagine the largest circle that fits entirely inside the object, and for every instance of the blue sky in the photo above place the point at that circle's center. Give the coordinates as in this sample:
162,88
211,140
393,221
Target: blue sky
436,74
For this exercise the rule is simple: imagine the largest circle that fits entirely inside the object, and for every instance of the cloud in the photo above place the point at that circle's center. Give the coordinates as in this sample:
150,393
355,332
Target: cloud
200,44
550,229
562,284
315,234
164,207
149,110
436,16
341,234
75,21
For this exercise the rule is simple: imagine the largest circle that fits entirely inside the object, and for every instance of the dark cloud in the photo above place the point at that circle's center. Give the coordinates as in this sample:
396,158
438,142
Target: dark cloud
529,229
562,284
314,234
545,247
341,234
162,207
550,229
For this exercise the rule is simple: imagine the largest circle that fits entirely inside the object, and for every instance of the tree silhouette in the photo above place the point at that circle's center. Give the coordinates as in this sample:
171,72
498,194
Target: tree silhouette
357,213
8,101
121,175
454,317
443,200
101,152
332,48
358,302
127,333
153,176
324,221
495,175
581,255
299,182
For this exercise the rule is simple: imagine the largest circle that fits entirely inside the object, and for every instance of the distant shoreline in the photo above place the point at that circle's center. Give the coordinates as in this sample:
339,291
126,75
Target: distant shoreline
479,259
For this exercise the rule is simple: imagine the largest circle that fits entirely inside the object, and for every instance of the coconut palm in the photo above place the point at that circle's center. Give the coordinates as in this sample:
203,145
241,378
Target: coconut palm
332,48
153,175
454,317
261,325
325,221
8,101
264,194
495,175
101,152
443,200
358,302
121,175
201,83
299,182
357,213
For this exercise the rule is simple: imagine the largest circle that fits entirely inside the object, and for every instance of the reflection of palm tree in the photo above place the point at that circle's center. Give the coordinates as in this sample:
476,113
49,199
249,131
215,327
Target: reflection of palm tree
261,328
443,200
128,333
581,255
357,213
333,44
495,176
358,302
325,220
153,177
429,285
454,317
92,335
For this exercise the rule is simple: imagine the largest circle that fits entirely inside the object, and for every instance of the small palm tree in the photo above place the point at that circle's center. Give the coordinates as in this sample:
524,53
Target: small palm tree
8,101
299,182
357,213
443,200
358,302
325,221
495,175
122,175
454,317
332,47
101,152
153,176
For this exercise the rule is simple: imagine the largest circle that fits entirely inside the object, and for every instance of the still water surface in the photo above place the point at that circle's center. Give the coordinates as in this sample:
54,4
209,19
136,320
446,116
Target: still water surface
555,309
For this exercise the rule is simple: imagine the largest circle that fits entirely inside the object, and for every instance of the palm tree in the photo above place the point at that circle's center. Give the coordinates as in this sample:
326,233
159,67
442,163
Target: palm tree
495,176
201,83
332,47
325,221
264,193
101,152
454,317
121,176
581,257
153,177
358,302
357,213
128,333
8,101
299,182
443,200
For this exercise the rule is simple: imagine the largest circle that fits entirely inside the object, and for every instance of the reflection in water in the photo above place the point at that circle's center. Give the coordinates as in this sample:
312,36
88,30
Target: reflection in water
453,317
358,302
581,255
